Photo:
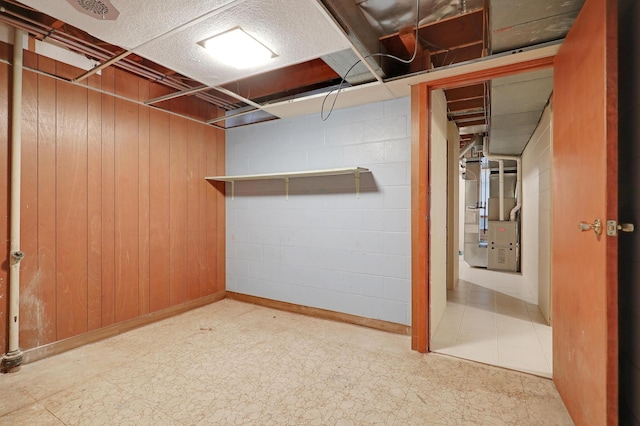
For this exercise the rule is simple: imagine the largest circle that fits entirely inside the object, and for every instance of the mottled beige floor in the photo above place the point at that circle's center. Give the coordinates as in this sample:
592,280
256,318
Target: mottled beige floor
237,364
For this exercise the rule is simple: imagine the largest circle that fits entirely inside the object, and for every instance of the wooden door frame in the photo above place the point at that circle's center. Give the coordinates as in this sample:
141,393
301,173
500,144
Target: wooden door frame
420,157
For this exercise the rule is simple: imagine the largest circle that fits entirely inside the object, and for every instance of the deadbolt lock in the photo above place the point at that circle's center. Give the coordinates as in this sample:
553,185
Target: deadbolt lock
613,228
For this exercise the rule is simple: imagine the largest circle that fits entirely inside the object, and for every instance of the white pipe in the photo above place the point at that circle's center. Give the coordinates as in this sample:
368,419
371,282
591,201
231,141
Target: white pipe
514,210
102,66
13,358
501,187
518,206
518,160
467,149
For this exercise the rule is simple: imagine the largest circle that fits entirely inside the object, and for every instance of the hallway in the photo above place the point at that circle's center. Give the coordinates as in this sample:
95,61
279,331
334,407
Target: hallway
490,318
235,363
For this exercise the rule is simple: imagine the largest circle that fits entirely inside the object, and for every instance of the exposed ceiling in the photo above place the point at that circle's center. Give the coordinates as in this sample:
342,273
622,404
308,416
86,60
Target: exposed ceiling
316,43
519,23
517,103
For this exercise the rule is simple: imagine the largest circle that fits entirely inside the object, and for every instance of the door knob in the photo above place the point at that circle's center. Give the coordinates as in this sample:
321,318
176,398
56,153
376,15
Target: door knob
596,226
626,227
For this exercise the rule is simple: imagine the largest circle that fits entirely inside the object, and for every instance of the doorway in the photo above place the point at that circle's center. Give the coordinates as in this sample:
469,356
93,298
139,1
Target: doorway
584,258
499,161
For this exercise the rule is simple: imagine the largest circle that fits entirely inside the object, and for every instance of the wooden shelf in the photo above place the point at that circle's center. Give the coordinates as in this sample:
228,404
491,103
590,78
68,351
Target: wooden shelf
288,175
307,173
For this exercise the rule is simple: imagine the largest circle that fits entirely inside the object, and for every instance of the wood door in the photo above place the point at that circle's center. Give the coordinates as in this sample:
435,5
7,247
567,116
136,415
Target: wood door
585,305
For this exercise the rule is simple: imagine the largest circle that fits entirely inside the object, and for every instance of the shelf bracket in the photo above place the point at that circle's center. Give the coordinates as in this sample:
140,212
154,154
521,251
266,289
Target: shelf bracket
233,189
357,174
286,188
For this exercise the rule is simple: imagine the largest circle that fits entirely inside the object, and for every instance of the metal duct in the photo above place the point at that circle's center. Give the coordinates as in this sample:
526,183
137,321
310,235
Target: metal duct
520,23
517,103
342,61
361,36
390,16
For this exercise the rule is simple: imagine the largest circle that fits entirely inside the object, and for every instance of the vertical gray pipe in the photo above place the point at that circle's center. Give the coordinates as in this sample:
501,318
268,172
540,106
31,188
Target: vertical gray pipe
13,358
501,187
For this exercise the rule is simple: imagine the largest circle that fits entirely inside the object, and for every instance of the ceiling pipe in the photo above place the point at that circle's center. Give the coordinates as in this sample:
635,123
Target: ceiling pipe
467,148
518,160
231,116
13,358
176,95
102,66
518,206
501,188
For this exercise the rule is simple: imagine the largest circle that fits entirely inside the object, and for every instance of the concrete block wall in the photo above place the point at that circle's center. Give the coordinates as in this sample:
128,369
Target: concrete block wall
324,247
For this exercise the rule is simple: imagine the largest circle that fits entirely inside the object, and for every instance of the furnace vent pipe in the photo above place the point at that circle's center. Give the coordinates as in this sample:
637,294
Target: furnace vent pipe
518,160
13,358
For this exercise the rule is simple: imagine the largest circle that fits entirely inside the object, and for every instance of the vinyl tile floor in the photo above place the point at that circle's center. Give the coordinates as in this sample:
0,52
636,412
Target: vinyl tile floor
491,318
231,363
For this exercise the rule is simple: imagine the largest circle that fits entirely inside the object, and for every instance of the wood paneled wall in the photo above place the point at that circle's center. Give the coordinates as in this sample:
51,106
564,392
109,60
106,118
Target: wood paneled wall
117,219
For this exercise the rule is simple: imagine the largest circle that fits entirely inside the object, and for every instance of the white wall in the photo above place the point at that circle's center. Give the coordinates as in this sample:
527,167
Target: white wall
536,213
453,207
324,247
438,208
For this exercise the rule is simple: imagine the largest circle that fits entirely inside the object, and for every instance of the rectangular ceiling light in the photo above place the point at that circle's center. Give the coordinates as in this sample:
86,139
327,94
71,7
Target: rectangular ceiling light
237,49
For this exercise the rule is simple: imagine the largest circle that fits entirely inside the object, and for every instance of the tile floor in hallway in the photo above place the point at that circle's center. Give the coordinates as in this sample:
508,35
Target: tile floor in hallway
232,363
490,318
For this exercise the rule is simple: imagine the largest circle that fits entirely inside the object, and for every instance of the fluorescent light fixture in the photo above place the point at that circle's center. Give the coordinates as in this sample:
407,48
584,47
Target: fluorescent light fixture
238,49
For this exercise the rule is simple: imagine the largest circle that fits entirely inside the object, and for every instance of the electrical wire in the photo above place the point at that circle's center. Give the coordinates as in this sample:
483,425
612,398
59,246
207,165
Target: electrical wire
384,55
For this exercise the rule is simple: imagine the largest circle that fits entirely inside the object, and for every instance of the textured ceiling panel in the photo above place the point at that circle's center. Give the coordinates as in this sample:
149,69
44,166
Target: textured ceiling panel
294,30
520,23
138,22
